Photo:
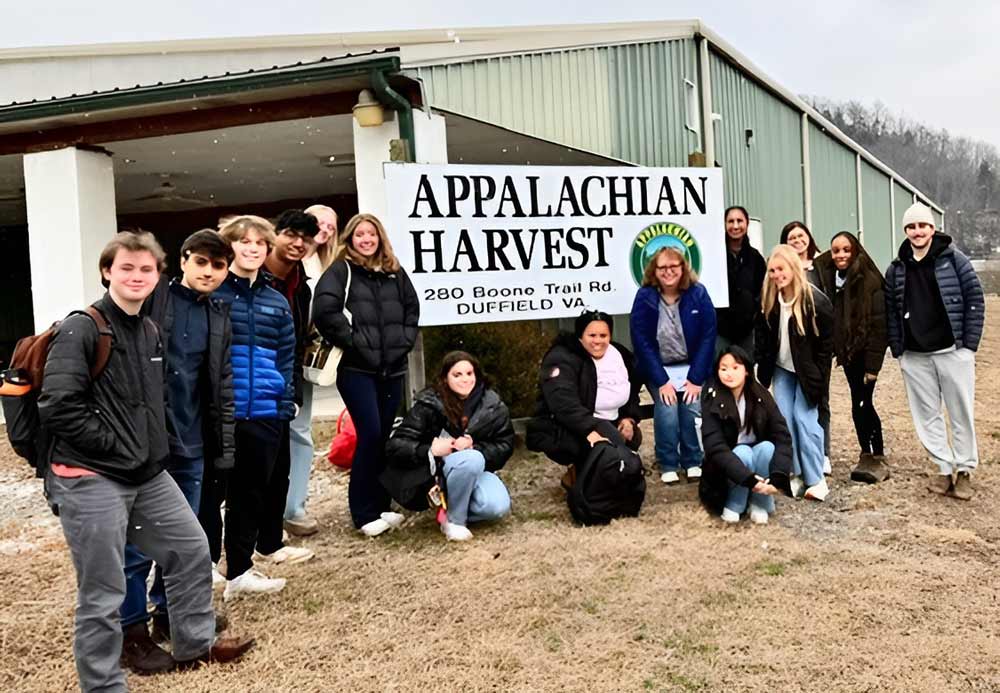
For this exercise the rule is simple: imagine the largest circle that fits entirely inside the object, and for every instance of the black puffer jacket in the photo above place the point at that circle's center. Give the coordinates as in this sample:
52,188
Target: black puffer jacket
812,353
114,425
407,476
384,309
216,373
568,385
746,272
720,429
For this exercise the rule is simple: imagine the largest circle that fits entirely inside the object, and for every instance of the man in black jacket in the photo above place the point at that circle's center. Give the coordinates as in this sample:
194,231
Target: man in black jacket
106,481
745,269
199,415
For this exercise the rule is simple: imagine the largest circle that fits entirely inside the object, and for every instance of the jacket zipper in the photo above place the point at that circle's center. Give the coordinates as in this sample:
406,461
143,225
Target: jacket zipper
250,344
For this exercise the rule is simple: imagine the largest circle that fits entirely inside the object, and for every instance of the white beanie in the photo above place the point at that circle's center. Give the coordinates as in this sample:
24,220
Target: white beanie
918,213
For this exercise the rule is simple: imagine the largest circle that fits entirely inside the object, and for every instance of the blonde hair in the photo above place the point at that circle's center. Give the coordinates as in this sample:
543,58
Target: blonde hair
383,258
688,275
327,251
802,293
237,229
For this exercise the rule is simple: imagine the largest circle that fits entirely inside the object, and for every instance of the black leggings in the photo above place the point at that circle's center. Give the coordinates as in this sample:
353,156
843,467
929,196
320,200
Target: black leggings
866,421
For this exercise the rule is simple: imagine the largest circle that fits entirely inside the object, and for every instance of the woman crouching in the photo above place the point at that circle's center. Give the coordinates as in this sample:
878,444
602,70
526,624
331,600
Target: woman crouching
460,430
748,449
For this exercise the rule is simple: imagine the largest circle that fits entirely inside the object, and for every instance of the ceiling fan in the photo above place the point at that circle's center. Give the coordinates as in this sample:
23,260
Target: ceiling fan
166,191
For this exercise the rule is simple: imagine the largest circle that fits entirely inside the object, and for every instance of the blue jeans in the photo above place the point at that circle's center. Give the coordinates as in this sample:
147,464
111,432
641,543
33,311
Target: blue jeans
302,453
676,427
803,423
187,473
474,495
372,403
758,460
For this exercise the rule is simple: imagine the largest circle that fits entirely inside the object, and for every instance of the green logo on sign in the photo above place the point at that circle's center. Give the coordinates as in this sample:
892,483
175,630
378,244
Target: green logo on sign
662,235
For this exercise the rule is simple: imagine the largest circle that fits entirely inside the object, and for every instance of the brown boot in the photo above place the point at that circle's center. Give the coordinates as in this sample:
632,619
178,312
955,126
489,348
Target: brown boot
941,484
141,654
160,632
871,469
569,478
962,490
227,648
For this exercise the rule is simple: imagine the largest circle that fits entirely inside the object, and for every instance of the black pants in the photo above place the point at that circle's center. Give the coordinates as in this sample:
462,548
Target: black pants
867,423
213,492
250,491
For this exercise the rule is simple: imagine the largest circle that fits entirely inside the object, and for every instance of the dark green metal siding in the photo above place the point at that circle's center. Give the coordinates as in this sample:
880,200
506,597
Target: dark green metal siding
875,187
834,186
904,198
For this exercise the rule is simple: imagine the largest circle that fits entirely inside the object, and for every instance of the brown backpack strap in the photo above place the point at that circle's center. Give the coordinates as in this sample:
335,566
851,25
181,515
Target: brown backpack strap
104,341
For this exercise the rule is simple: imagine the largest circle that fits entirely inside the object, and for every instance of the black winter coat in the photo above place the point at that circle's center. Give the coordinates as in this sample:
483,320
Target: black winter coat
217,401
114,425
407,476
746,279
812,353
384,309
720,429
568,384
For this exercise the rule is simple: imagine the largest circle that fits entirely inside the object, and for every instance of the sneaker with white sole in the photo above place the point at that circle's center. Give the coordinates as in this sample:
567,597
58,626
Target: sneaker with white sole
375,527
730,516
827,467
394,520
669,477
217,578
456,532
818,492
250,583
693,473
797,485
286,554
758,516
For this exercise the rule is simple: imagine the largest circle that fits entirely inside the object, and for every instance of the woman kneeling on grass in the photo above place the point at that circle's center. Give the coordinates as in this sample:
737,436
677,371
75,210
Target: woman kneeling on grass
460,430
748,449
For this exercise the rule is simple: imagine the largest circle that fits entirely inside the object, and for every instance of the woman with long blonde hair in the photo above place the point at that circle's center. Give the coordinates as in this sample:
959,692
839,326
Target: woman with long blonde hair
795,348
366,282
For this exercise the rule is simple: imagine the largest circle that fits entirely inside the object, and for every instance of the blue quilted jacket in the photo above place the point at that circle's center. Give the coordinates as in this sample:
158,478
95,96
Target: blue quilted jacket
961,293
697,323
263,350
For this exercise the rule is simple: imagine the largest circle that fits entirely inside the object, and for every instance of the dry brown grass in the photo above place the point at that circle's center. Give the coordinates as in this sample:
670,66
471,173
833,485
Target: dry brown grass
882,588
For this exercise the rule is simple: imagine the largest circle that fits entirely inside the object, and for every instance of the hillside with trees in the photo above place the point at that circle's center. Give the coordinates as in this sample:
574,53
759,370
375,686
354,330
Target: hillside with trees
958,173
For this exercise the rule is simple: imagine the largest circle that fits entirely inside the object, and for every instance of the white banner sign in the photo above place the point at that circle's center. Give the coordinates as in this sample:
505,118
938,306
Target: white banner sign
498,243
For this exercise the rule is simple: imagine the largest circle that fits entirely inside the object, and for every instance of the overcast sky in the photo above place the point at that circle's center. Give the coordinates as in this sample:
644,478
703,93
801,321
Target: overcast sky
931,60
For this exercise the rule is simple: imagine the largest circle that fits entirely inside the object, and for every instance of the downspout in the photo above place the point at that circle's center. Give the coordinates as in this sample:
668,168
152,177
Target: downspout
399,103
707,122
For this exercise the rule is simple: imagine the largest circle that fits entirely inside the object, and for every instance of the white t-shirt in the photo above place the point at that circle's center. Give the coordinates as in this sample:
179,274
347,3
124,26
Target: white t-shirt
784,325
613,387
745,437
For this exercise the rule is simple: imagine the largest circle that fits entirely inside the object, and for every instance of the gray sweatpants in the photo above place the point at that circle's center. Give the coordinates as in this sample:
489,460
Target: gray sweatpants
98,515
949,377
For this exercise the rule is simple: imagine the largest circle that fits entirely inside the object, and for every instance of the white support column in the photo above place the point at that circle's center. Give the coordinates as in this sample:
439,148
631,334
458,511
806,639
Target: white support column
70,195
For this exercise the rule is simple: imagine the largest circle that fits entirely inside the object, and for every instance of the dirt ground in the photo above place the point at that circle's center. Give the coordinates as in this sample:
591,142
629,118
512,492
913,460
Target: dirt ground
885,588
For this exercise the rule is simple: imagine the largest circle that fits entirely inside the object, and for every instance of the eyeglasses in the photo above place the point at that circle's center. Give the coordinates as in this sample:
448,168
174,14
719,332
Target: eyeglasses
666,268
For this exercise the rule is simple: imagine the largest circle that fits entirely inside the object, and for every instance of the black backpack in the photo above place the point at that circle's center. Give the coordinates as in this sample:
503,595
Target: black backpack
610,483
21,384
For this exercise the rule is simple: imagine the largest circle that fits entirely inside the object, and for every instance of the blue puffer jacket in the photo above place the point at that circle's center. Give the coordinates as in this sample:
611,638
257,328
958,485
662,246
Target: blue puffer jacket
697,322
263,350
961,293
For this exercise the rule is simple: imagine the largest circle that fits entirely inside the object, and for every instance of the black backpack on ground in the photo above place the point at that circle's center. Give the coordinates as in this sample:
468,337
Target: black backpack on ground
609,484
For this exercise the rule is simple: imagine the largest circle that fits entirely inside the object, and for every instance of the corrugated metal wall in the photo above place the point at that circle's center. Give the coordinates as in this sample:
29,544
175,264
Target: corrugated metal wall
834,184
766,176
875,187
626,101
904,198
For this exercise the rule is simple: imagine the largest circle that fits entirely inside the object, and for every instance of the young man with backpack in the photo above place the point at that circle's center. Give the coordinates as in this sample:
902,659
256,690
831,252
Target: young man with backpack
935,311
196,333
106,479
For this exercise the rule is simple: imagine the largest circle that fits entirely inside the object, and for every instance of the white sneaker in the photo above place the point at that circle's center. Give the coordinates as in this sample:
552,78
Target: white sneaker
693,473
798,486
456,532
286,554
730,516
669,477
394,520
758,515
217,578
375,527
827,467
250,583
818,492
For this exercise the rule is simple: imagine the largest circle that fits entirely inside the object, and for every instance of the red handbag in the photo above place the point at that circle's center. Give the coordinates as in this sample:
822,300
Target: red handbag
344,441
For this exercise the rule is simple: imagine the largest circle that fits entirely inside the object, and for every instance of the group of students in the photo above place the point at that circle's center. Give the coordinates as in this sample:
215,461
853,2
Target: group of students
205,382
709,370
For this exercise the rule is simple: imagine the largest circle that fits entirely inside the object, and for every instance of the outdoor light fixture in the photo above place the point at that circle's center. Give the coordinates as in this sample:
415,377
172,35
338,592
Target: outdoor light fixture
367,111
